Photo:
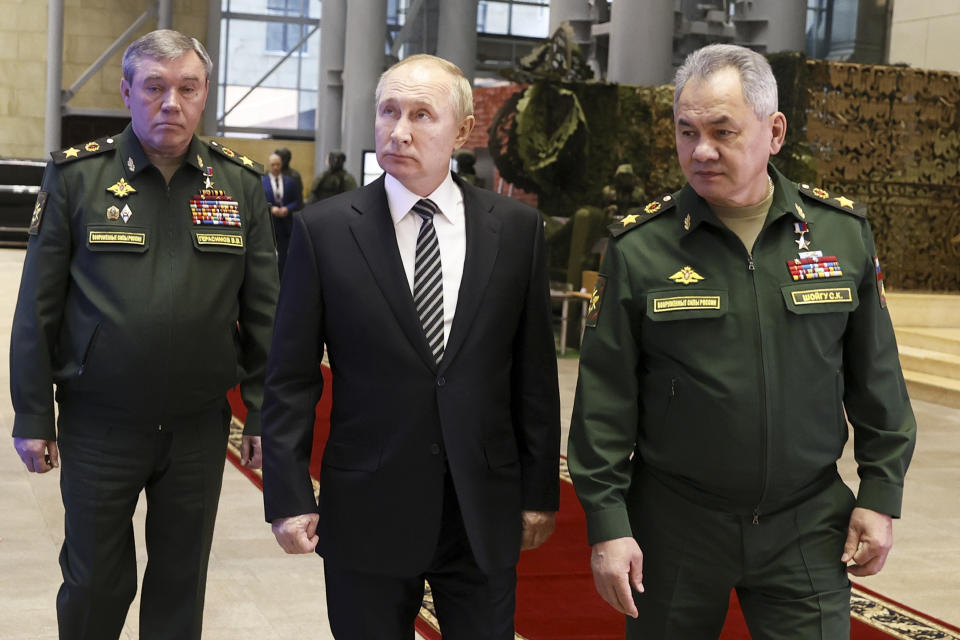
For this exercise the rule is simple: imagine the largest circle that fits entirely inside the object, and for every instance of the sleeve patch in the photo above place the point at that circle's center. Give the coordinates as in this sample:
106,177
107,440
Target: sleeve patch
593,311
880,290
38,209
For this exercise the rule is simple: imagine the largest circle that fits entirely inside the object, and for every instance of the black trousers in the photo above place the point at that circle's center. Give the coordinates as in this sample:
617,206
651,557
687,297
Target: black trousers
470,604
103,469
786,568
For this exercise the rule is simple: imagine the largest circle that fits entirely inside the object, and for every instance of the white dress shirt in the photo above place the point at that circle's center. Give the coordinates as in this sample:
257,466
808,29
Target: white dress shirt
451,231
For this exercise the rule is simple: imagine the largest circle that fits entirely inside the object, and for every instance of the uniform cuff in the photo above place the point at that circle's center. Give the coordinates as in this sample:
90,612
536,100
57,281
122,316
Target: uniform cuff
881,496
251,425
608,524
35,425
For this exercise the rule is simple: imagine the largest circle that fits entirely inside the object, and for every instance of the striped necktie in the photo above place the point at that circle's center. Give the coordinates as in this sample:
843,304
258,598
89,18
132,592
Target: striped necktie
428,279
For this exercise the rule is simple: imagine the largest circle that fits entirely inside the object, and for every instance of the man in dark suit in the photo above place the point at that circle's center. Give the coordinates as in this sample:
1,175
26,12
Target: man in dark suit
432,299
284,199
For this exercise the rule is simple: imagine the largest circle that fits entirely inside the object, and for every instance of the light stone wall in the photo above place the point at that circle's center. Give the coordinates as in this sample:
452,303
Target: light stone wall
924,34
90,26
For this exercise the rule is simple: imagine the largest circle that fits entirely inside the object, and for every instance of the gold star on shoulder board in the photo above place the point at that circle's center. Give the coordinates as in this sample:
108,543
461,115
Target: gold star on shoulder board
844,202
72,152
630,219
247,162
686,275
121,189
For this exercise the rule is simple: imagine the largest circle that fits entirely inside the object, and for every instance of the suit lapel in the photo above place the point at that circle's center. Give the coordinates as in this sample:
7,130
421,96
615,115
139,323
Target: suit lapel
483,230
374,233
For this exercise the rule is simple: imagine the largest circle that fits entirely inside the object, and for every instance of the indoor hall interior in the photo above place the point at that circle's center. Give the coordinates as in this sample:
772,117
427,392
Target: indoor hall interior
254,590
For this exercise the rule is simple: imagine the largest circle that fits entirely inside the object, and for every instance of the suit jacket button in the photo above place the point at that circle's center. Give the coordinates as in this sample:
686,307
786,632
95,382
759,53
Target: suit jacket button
441,381
435,449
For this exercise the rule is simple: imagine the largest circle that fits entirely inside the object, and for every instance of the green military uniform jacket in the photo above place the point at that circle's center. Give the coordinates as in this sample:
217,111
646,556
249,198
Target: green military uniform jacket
143,302
724,377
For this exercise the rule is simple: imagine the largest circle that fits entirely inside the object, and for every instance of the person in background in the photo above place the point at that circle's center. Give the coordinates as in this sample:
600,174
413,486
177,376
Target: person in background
287,170
334,180
148,291
735,327
284,199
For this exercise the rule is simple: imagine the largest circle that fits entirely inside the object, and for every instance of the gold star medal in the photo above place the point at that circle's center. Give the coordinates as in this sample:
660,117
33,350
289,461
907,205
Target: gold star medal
121,189
686,275
113,213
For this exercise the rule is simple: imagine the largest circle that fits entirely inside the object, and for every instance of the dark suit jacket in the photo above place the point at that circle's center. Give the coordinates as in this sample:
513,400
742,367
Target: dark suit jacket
489,412
292,200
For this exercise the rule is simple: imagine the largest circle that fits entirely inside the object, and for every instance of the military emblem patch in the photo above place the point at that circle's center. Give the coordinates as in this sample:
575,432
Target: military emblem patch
121,188
653,207
686,275
593,311
38,208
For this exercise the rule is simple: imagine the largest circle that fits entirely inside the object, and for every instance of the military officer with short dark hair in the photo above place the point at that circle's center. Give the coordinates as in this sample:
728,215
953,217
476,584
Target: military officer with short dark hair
734,324
148,290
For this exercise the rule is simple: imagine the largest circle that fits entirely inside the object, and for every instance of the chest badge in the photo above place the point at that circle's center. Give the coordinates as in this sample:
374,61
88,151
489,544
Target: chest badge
121,188
125,213
801,229
113,213
686,275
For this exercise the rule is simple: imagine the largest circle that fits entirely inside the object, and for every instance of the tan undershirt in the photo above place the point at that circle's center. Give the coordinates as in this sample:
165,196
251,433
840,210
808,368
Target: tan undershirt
746,222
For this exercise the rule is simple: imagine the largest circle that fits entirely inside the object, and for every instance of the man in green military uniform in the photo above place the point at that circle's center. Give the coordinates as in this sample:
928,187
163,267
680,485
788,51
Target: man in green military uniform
333,181
733,323
148,290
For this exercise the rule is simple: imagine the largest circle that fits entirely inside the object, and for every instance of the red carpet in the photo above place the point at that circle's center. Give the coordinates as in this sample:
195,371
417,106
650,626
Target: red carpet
556,599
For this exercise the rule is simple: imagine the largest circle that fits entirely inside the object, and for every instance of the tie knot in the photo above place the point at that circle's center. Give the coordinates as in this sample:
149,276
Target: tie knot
426,209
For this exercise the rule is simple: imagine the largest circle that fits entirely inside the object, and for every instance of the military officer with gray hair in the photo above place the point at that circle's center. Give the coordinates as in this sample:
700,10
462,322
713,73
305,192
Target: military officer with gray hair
148,290
733,325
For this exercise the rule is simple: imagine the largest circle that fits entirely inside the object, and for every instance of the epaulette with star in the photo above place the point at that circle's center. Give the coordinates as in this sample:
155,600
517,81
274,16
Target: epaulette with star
636,217
80,151
842,203
241,160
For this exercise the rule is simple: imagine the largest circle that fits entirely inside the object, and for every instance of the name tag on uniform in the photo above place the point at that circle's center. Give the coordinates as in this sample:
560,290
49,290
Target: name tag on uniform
117,237
822,296
685,303
220,239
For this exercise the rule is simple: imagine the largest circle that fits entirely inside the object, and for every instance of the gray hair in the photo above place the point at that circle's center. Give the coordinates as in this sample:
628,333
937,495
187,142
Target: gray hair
757,82
162,44
461,93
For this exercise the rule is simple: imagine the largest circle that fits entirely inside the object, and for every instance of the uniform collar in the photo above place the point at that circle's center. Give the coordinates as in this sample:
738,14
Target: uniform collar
786,201
134,159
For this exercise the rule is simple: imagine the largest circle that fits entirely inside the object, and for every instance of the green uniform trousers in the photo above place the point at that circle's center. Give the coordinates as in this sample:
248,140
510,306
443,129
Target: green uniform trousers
103,470
786,568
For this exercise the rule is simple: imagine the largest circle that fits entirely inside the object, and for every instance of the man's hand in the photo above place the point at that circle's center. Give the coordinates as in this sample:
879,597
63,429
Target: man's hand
869,540
297,534
537,527
38,455
250,453
617,564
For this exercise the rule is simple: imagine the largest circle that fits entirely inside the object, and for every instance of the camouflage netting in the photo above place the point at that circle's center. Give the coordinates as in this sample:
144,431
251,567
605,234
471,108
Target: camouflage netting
889,136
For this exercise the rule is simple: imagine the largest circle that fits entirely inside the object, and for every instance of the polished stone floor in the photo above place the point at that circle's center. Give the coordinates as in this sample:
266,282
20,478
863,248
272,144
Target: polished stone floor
256,591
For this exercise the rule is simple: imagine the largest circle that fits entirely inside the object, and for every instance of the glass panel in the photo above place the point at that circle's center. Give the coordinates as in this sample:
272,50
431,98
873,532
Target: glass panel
287,97
493,17
530,21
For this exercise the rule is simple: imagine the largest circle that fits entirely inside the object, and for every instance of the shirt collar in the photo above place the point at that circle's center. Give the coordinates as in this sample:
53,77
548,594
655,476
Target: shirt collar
786,201
447,197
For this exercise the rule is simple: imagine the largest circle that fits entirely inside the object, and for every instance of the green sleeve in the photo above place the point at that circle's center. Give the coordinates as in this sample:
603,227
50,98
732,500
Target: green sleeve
258,301
875,396
39,312
603,430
